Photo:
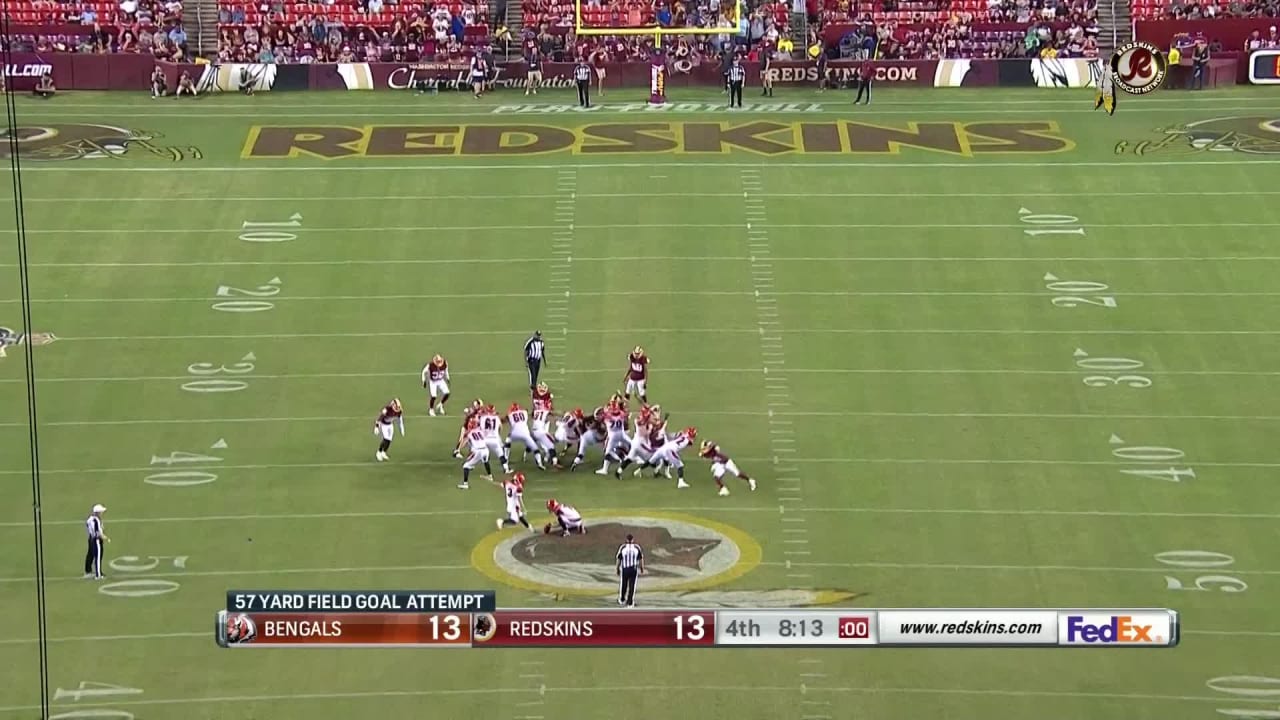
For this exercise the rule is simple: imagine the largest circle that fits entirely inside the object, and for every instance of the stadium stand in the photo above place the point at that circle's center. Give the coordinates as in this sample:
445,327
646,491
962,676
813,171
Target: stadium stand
135,26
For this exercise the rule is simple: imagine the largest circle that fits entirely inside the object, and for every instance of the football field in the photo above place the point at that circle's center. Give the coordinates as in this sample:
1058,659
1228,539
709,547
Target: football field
981,349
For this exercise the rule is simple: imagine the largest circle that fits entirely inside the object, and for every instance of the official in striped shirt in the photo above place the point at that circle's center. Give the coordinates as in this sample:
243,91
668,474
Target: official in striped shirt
737,76
97,536
630,567
535,353
582,76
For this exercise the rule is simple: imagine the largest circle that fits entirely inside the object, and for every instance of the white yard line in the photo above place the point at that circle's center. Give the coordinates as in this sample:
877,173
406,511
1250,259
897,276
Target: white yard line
657,689
721,330
436,233
552,297
698,259
420,199
795,560
1141,169
771,384
796,516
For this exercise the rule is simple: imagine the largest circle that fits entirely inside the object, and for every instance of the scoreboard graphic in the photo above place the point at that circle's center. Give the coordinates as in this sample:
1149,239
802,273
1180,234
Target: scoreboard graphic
1264,67
465,619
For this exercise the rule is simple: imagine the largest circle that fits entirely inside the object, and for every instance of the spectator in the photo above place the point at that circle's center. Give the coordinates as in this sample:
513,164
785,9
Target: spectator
237,15
88,16
178,36
128,7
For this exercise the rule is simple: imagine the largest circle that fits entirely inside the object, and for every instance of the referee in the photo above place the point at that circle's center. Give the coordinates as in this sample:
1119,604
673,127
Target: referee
737,76
630,567
535,352
93,558
582,76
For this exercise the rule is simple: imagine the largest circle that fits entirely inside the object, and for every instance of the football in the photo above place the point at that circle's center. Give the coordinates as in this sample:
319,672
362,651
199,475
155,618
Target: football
546,529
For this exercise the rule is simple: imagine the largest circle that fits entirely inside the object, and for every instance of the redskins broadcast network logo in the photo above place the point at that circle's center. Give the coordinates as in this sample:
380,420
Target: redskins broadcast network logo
1139,68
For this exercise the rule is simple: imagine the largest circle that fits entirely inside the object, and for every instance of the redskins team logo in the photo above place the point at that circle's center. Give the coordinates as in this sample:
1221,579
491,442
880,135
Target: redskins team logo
1254,135
1139,68
60,142
687,559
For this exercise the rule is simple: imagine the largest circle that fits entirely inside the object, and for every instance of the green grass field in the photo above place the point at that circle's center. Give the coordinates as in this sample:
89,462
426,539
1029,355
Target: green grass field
946,404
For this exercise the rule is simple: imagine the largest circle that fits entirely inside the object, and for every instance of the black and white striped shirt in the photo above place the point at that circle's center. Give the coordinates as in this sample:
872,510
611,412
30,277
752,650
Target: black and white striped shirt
630,555
582,72
534,348
93,526
737,74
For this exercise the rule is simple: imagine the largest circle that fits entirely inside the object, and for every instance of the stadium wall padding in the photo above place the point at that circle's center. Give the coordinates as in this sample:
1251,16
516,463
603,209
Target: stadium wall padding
132,72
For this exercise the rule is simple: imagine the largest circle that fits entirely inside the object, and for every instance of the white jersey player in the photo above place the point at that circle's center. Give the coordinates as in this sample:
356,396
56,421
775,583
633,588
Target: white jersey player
435,378
513,489
669,453
569,430
567,517
474,437
491,426
617,444
540,428
722,464
518,431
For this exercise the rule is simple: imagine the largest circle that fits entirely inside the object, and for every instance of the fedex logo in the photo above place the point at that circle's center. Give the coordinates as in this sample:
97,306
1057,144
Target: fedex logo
1130,629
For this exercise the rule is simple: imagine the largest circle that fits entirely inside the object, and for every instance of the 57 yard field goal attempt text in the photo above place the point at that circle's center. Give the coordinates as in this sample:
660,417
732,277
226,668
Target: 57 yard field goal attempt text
471,619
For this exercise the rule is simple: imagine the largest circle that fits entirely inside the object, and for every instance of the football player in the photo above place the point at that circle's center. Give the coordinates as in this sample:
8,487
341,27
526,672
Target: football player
542,394
569,430
435,377
474,437
669,454
491,426
720,464
637,374
540,422
615,423
514,491
518,430
568,518
593,433
468,414
384,427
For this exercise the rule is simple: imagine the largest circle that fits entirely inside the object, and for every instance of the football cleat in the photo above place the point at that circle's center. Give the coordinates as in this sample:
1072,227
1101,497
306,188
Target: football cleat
724,492
499,523
681,485
752,484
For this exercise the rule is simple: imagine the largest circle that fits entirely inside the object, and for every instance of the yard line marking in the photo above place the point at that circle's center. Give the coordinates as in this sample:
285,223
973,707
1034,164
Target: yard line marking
769,460
755,329
170,232
648,293
1143,167
771,385
647,258
978,568
701,689
1102,514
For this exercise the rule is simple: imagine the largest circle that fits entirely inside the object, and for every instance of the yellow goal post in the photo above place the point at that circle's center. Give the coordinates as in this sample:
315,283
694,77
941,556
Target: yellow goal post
656,30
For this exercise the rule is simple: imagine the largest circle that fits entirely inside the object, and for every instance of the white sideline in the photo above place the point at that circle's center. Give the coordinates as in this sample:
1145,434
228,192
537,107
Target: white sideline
658,689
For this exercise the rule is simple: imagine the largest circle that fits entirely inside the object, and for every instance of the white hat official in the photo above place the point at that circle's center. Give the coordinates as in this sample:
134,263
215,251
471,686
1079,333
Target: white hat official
99,508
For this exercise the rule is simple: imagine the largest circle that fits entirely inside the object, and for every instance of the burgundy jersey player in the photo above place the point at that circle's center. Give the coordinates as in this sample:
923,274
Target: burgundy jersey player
435,377
383,427
468,414
637,374
721,464
542,395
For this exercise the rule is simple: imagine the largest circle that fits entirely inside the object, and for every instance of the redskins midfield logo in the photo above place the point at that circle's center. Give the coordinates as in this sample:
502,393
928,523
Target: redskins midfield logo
685,558
77,142
1138,68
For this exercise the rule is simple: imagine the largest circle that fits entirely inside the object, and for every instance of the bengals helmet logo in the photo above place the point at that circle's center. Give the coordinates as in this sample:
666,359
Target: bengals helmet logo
58,142
240,629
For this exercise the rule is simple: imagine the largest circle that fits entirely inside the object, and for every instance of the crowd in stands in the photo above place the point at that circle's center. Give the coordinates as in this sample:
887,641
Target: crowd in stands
283,31
130,26
368,32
